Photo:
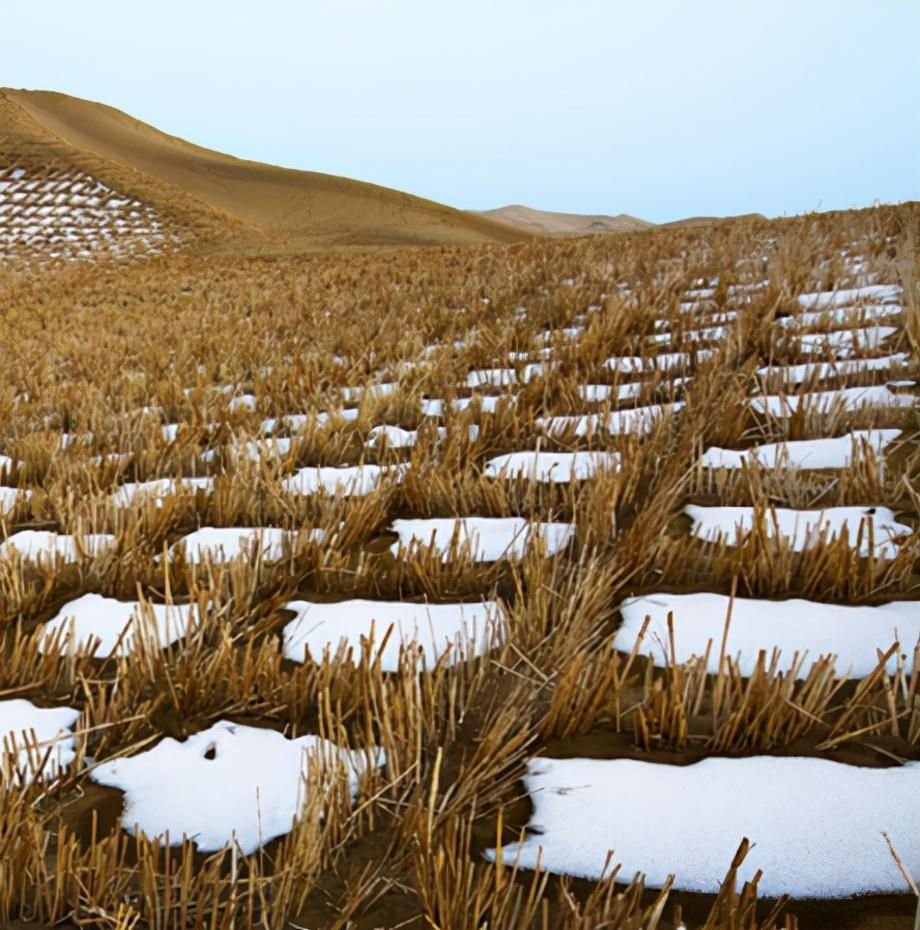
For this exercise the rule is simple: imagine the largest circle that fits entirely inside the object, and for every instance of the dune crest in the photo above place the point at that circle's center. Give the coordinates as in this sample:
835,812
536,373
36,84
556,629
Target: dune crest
549,222
203,194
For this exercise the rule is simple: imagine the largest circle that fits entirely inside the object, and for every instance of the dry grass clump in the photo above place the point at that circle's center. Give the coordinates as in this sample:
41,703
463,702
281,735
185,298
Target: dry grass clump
172,367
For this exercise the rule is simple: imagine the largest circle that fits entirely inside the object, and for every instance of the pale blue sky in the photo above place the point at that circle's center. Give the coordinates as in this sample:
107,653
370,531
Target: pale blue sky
659,108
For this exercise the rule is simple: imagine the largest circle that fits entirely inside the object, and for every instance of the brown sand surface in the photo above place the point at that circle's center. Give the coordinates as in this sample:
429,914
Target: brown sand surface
319,209
543,222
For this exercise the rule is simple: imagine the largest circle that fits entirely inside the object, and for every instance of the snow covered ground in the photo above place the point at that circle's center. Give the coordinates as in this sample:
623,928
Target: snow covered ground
351,480
805,528
636,420
846,342
854,398
558,467
486,539
816,826
852,633
260,774
114,624
159,489
73,215
47,546
225,543
821,371
873,293
836,452
37,741
466,630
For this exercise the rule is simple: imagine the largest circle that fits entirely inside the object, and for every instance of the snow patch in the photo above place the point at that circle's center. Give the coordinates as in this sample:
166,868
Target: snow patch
45,545
350,480
225,543
113,623
259,776
28,733
487,539
816,826
852,633
467,630
838,452
804,529
558,467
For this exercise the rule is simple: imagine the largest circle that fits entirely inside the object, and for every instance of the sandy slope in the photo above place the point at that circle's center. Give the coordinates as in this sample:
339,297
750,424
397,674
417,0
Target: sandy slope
317,208
691,221
548,222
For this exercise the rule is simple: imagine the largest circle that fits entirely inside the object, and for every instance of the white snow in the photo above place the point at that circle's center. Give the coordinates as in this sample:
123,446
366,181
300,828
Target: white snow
636,420
243,402
851,633
488,403
466,629
824,402
354,480
356,394
435,407
816,826
701,292
873,293
486,538
838,315
29,733
804,528
159,489
10,498
113,622
224,784
666,361
837,452
598,393
258,450
225,543
796,374
558,467
535,370
41,545
844,342
491,377
706,334
398,438
295,422
432,407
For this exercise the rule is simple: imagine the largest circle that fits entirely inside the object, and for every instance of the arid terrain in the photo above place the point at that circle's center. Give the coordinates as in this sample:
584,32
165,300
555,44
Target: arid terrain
367,563
540,222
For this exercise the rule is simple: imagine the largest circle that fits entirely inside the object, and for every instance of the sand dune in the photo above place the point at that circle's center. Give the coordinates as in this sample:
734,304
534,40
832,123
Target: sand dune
692,221
548,222
210,188
159,191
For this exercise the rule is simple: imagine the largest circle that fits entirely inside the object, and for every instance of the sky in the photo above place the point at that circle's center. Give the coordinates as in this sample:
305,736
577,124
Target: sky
660,108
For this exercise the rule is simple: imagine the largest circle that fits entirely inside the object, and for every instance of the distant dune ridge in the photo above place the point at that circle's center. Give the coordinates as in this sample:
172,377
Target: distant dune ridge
200,188
81,179
548,222
691,221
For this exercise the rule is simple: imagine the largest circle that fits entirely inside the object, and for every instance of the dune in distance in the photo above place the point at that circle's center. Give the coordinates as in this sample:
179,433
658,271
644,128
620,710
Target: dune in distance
81,177
548,222
553,223
213,192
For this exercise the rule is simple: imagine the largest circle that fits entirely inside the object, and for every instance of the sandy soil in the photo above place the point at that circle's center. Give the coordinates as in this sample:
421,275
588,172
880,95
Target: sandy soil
542,222
320,208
